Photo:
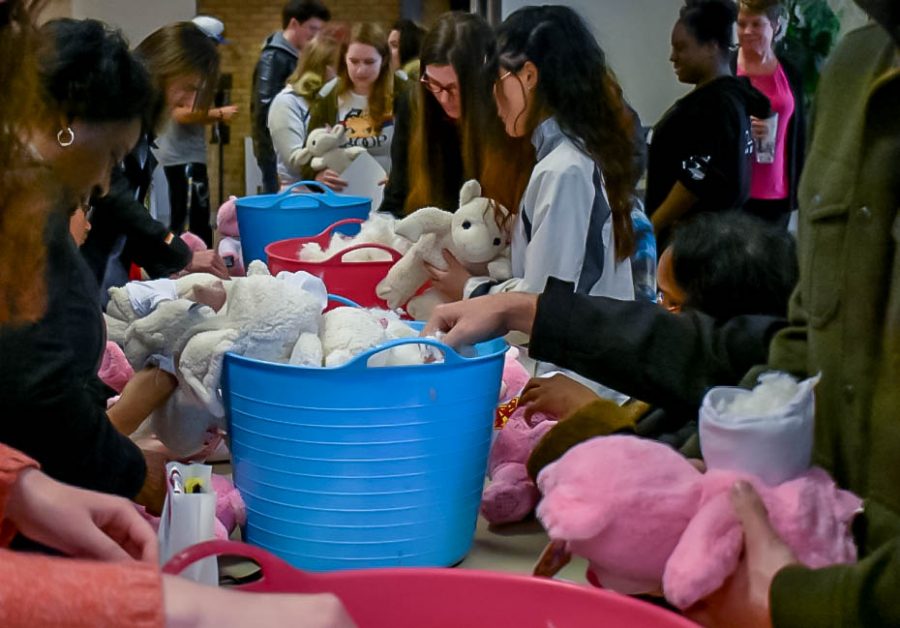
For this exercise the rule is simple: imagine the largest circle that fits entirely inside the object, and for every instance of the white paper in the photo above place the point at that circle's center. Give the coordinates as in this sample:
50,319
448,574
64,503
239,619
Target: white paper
364,177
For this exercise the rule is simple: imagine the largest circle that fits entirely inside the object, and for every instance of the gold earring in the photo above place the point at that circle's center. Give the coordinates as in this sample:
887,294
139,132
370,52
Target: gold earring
65,137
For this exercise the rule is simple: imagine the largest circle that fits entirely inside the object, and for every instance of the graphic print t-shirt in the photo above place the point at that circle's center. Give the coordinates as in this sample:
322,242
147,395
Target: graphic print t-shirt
353,113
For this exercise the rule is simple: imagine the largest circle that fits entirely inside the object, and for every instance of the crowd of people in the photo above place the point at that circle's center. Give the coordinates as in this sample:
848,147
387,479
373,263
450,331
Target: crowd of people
533,110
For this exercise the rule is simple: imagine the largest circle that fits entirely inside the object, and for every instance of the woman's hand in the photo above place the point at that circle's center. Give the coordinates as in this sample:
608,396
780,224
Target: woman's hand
474,320
191,605
79,523
153,493
559,396
759,129
331,179
208,261
743,601
450,282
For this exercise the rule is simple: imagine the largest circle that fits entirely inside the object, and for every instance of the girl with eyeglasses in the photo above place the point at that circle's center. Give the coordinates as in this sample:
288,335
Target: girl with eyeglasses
552,85
447,127
362,99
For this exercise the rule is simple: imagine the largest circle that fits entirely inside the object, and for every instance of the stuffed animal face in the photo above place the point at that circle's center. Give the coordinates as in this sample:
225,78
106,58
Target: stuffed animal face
320,141
474,231
226,218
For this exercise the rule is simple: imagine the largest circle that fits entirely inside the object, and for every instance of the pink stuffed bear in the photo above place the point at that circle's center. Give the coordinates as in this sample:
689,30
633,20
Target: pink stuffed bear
648,520
115,370
512,495
230,244
194,242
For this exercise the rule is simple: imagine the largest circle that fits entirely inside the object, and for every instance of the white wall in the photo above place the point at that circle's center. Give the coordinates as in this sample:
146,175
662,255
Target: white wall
137,18
635,35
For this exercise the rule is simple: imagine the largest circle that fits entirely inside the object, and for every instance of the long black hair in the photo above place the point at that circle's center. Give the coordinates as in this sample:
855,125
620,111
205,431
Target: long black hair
87,71
577,87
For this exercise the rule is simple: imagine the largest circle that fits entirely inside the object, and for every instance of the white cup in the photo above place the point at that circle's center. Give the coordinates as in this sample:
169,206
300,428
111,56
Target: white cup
764,148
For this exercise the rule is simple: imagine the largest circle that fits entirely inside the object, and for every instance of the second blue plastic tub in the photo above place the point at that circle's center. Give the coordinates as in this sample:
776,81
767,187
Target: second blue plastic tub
352,466
268,218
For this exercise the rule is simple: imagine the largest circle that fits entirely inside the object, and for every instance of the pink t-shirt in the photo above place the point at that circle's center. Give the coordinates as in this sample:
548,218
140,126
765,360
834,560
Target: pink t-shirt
770,181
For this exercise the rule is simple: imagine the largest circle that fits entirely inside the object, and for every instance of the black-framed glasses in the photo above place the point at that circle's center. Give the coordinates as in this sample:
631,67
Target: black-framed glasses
436,88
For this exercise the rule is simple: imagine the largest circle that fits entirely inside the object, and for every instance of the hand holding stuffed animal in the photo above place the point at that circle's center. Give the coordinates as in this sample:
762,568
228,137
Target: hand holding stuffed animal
471,235
646,519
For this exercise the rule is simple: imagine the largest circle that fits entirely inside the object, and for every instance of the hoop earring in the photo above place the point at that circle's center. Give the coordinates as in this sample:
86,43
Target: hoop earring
62,134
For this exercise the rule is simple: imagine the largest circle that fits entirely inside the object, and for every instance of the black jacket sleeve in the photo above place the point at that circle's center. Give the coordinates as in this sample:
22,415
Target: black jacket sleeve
51,407
642,350
120,214
272,70
397,187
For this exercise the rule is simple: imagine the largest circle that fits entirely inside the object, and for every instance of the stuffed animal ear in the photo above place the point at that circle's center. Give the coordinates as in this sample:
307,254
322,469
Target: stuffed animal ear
707,553
339,131
425,220
470,190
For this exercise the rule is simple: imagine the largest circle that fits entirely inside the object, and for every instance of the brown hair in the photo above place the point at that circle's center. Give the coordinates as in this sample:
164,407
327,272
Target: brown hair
23,185
178,50
501,164
381,98
319,53
774,10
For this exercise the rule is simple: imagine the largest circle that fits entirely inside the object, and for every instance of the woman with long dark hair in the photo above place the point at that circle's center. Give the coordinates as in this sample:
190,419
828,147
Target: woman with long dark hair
447,127
553,85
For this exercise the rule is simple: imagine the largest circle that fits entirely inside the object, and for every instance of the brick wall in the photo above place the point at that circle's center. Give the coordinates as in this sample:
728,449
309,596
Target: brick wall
247,25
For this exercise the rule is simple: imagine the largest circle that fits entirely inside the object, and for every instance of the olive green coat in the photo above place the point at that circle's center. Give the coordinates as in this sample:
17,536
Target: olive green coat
845,323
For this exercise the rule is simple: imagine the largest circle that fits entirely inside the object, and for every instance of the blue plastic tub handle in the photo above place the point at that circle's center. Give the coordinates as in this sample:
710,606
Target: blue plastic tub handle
343,300
326,191
360,362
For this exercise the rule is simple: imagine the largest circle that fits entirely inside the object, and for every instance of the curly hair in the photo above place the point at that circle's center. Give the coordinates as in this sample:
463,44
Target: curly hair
577,87
88,72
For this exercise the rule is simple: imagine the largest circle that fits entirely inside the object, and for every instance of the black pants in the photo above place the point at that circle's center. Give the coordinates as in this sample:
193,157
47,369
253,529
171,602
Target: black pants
776,212
180,177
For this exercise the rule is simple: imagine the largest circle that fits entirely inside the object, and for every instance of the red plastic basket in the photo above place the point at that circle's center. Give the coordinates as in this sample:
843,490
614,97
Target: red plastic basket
445,598
353,280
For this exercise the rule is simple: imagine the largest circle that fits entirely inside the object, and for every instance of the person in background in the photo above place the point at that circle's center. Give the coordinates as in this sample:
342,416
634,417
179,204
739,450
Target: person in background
289,113
699,156
183,63
447,130
362,99
301,20
776,171
181,151
405,42
80,224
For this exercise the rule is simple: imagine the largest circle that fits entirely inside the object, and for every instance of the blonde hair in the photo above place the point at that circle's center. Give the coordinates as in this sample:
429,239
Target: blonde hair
381,98
175,51
318,54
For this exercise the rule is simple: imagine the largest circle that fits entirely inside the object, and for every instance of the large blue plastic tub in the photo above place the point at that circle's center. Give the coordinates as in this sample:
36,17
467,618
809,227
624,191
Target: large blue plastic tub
268,218
350,467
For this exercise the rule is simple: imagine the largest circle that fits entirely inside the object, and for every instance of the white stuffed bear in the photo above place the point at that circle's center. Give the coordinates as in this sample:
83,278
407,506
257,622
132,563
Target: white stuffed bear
264,318
348,331
377,229
471,234
323,149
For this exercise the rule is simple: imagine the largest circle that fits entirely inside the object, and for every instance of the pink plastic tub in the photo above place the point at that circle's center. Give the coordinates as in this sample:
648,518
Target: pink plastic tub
353,280
445,598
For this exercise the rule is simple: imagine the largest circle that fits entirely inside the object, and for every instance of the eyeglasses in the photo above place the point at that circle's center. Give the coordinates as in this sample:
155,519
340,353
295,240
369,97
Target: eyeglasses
502,78
436,88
